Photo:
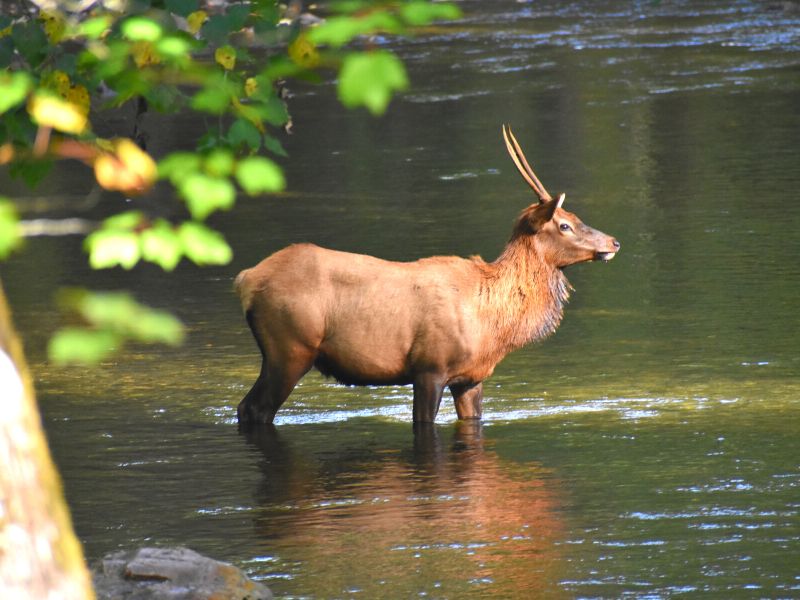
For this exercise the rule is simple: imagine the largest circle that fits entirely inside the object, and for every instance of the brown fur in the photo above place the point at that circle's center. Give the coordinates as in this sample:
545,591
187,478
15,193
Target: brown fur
437,322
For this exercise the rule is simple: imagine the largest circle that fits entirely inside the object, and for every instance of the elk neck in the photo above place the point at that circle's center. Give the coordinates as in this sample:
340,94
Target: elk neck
522,296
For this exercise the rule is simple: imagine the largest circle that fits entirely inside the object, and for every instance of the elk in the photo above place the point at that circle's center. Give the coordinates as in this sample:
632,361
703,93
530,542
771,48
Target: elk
439,322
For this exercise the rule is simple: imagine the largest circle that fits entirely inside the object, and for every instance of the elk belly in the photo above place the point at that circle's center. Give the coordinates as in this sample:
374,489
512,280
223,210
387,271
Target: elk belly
358,368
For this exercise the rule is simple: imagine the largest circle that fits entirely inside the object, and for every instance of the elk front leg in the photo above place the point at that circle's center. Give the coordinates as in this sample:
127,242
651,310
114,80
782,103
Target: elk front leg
468,400
428,389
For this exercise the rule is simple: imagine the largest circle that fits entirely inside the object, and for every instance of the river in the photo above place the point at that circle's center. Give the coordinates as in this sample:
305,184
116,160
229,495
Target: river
648,449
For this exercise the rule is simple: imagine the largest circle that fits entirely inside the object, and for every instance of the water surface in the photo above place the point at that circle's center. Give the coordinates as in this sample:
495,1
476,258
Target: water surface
648,449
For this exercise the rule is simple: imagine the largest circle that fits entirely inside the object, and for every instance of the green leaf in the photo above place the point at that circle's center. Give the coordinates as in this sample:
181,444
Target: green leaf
282,67
141,29
249,112
422,13
211,139
120,313
17,127
266,15
178,165
31,41
182,7
213,99
237,15
165,98
31,171
6,52
67,63
205,194
257,174
126,221
161,245
244,132
174,46
115,243
216,29
14,88
369,79
274,145
349,6
273,110
380,21
95,27
114,318
112,247
10,236
203,245
114,310
219,162
153,326
338,31
75,345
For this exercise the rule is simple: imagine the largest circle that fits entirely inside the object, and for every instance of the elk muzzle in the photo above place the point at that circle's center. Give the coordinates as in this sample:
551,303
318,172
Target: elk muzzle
607,255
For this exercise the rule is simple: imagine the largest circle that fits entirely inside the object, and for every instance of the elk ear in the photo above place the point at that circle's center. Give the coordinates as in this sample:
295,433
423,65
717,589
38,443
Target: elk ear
541,214
550,208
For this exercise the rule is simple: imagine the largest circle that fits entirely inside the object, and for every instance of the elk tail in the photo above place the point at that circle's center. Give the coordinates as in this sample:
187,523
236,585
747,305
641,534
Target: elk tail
243,290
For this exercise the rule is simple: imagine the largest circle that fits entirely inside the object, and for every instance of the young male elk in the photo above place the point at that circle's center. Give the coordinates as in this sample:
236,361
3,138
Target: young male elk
438,322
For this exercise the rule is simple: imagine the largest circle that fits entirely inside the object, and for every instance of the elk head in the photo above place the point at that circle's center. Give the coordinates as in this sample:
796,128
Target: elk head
560,236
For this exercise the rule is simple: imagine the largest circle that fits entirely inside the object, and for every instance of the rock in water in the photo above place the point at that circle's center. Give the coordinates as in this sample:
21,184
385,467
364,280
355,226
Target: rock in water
172,574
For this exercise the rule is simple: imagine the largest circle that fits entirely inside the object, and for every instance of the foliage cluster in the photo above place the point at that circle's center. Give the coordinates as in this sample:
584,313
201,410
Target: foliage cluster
63,64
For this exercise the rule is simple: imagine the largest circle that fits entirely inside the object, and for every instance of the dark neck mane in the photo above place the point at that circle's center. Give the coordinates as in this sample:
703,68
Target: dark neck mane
522,296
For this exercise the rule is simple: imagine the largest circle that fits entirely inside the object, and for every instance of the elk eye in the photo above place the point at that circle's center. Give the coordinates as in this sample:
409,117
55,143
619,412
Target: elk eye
565,227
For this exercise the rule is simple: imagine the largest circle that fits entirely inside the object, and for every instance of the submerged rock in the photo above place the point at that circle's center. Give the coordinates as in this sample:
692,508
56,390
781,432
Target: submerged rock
172,574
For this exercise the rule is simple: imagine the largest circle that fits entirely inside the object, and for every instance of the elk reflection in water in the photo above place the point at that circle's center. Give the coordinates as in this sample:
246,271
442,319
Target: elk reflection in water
441,515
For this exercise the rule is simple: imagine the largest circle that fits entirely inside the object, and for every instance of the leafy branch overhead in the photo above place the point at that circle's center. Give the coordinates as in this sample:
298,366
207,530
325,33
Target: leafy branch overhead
62,67
114,317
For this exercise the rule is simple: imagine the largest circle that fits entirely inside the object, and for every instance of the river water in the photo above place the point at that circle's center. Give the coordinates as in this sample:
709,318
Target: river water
649,449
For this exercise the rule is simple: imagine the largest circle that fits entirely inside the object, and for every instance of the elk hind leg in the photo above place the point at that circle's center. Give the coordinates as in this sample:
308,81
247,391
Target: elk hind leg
279,375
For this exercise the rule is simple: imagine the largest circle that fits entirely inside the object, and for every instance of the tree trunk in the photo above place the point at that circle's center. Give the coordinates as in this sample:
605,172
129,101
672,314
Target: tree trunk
40,556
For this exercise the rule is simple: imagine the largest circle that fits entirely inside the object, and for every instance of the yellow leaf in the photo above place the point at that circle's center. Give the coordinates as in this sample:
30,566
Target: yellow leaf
225,56
196,20
303,52
127,168
57,81
76,94
137,161
6,153
50,111
105,171
79,96
144,53
54,25
250,86
103,144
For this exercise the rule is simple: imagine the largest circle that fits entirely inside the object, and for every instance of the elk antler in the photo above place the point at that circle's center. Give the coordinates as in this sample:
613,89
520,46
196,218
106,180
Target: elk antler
522,165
